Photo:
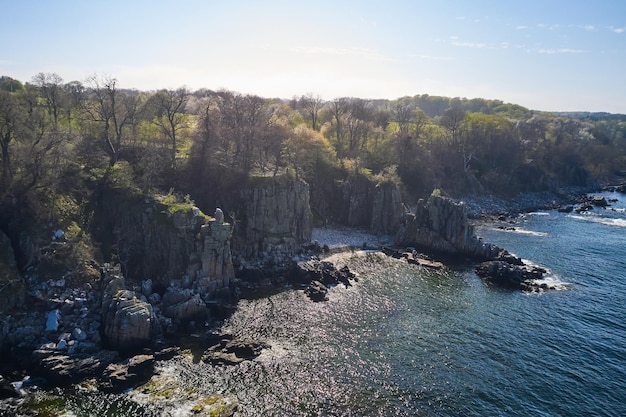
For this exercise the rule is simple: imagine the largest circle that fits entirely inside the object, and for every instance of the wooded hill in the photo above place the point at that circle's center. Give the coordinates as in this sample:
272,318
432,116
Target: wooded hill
61,138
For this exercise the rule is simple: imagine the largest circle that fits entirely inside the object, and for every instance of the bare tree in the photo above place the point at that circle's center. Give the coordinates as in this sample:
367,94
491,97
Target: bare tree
170,115
312,105
113,110
51,88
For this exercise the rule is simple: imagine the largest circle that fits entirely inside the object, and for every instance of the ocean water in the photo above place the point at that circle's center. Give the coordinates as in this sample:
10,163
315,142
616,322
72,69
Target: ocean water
408,341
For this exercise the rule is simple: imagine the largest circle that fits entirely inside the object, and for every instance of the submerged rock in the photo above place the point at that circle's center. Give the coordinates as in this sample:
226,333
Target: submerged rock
126,374
319,276
62,369
317,291
233,351
504,274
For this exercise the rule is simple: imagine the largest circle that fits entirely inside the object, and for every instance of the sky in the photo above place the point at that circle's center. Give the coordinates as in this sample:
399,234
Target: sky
549,55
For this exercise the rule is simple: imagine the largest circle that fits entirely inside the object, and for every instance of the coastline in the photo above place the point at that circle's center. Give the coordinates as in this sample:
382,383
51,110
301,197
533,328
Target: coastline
489,206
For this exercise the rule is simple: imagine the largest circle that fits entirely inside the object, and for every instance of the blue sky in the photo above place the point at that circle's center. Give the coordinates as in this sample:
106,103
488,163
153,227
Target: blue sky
545,55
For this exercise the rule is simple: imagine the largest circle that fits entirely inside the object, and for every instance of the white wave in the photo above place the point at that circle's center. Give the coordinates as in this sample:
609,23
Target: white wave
601,220
553,282
539,213
518,231
550,279
527,232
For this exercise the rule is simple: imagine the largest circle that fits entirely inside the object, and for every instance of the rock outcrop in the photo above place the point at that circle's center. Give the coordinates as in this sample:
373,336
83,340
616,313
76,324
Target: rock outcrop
359,201
387,209
129,323
215,269
231,351
441,225
319,276
275,219
513,276
154,235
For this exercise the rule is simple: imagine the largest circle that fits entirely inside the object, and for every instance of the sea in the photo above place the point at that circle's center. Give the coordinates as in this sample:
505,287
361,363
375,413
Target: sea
405,340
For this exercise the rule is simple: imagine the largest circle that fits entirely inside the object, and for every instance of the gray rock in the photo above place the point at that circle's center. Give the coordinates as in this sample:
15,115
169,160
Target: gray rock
79,335
189,308
52,321
128,322
441,225
129,373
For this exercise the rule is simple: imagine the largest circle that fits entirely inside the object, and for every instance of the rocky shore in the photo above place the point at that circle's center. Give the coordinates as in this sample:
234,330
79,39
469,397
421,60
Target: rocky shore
112,331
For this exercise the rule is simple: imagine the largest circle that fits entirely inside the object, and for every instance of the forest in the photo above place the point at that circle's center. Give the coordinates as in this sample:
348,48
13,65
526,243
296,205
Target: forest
65,138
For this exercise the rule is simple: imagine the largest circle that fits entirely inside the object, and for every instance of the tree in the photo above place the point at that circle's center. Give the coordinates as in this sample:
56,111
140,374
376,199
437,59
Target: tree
339,107
75,93
242,118
303,149
170,115
312,105
12,118
51,90
113,110
452,120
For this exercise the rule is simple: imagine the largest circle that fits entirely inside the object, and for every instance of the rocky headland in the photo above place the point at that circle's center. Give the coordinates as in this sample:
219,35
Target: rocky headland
181,271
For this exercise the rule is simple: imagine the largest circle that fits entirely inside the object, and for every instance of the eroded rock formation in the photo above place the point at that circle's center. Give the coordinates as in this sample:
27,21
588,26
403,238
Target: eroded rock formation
129,323
440,224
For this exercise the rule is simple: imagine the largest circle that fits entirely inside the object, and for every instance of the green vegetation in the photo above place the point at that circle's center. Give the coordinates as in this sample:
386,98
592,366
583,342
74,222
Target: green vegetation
68,147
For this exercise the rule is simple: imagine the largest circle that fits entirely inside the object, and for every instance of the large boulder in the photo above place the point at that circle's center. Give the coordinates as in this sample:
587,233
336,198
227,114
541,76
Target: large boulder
182,304
129,323
513,276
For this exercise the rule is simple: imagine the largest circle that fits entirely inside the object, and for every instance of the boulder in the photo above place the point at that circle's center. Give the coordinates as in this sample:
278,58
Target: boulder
128,322
180,304
129,373
506,275
233,351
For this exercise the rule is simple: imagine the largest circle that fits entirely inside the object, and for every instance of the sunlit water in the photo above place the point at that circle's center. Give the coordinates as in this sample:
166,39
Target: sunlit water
407,341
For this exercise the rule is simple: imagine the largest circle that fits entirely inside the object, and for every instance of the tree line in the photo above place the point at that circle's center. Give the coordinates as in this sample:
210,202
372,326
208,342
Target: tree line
198,141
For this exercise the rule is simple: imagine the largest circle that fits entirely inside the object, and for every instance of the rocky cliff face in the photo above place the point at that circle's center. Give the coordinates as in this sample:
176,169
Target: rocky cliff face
387,209
275,218
12,290
360,202
151,238
440,224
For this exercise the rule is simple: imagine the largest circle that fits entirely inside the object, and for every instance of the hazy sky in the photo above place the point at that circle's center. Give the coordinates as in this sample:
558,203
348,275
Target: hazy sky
545,55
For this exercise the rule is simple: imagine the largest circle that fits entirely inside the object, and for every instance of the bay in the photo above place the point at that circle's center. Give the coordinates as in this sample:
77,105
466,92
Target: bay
408,341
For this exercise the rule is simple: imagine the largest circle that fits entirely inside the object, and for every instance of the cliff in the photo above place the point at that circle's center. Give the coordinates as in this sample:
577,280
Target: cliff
359,201
440,224
274,218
